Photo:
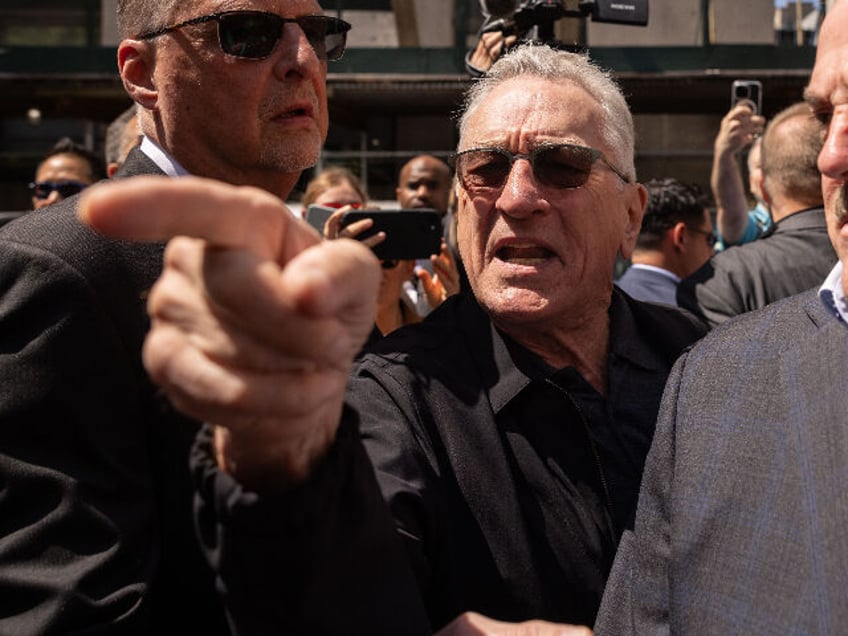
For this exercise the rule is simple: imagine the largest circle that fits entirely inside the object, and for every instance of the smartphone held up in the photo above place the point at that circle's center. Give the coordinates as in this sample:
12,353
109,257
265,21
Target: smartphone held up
749,92
410,234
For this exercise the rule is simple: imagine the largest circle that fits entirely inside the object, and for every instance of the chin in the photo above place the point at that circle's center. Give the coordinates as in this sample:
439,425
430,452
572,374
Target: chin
289,159
516,305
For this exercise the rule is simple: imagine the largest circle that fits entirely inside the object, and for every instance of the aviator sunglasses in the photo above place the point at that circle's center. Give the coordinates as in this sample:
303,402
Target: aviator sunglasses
42,189
254,34
483,170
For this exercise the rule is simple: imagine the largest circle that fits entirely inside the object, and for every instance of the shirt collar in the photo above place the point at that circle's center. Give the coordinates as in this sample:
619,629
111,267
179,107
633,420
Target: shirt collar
517,367
658,270
161,158
832,294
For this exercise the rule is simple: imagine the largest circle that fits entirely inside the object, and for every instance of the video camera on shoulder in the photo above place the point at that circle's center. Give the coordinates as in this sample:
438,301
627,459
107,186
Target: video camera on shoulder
534,19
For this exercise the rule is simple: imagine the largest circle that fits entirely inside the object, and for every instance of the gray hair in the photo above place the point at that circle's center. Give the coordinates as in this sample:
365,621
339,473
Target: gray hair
563,66
116,135
138,16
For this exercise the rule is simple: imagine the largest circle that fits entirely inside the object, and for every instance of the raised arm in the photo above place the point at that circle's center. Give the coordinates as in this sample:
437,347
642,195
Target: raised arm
738,130
255,320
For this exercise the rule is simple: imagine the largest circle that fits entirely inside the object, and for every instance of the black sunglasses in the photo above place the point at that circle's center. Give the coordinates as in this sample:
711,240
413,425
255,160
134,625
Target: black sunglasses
43,189
712,239
254,34
555,165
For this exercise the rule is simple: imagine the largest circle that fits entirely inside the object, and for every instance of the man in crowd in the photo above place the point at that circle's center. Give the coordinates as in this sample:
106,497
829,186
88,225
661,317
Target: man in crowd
96,493
500,441
740,129
676,238
122,135
743,509
425,182
791,257
67,169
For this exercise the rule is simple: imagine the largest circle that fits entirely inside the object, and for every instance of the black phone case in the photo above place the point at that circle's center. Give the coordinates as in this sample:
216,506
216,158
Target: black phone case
410,234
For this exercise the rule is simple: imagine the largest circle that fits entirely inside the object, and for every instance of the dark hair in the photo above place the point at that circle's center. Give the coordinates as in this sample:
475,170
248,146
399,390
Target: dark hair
67,146
670,202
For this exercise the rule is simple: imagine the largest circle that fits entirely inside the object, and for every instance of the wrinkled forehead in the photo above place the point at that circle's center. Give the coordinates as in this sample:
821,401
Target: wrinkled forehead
829,79
285,8
524,110
422,170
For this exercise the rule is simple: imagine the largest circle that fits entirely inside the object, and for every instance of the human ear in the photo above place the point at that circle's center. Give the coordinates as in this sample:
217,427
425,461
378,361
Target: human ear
678,235
637,199
136,64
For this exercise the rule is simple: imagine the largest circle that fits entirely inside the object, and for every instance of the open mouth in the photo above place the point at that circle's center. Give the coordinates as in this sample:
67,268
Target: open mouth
524,254
291,114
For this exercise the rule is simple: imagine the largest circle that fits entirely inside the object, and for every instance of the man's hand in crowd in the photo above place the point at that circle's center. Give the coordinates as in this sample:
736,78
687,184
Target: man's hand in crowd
255,320
445,282
739,128
472,624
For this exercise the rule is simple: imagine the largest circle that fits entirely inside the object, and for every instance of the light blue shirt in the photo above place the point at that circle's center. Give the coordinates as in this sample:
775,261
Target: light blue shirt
759,222
832,294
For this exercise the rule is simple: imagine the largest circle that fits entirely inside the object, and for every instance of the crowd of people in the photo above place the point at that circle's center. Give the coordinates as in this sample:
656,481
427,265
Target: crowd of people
216,419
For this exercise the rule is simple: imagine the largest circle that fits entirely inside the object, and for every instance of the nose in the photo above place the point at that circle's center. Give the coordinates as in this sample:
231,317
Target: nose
295,53
520,196
833,158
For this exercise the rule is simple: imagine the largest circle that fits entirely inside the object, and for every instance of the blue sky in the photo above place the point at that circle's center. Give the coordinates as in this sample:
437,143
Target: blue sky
782,3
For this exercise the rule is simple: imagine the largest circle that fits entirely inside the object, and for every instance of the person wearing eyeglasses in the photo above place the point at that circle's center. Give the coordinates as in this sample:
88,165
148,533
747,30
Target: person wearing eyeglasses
675,239
485,460
67,169
792,256
96,490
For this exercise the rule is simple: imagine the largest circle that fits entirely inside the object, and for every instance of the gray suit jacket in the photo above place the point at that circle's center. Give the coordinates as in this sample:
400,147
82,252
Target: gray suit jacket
794,255
741,525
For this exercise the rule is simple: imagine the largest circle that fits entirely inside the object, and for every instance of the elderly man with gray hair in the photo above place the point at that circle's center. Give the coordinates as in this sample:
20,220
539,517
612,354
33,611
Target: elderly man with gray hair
486,460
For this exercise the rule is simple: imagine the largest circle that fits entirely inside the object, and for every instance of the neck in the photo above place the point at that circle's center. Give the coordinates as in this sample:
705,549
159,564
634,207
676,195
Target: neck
389,317
275,181
781,207
584,347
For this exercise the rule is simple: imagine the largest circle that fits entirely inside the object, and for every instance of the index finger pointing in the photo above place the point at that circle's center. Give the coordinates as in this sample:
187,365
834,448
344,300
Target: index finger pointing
150,208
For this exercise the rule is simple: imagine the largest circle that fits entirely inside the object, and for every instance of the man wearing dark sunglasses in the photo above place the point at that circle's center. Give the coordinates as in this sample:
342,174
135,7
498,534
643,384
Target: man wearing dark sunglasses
795,253
485,459
64,171
96,492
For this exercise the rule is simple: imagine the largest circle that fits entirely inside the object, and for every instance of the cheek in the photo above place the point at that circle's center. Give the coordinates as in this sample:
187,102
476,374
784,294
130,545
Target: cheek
471,233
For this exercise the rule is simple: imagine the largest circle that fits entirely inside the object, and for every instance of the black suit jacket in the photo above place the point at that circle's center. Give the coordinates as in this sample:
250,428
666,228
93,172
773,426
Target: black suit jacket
793,256
96,532
500,475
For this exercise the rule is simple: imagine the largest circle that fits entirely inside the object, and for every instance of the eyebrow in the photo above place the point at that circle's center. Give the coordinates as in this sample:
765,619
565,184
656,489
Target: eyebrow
816,103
